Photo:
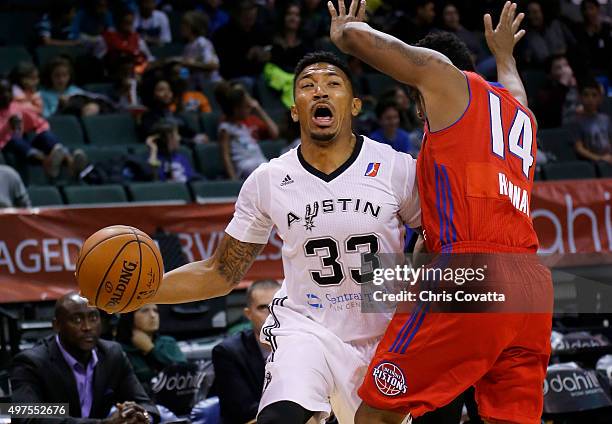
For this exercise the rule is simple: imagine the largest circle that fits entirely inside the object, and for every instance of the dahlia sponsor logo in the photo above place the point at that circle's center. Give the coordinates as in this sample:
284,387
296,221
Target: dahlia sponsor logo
577,383
181,384
314,301
124,281
389,379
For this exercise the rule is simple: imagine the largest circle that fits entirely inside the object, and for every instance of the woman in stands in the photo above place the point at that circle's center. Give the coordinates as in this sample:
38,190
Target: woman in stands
148,352
57,76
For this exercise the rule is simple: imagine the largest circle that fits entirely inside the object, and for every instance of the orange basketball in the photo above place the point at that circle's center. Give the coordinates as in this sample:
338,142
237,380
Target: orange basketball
119,268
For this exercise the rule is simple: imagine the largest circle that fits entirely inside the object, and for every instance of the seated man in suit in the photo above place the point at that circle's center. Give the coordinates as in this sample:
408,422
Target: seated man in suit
240,359
76,367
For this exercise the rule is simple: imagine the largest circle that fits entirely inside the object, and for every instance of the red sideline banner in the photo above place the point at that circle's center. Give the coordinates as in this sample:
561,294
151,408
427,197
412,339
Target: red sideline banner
38,247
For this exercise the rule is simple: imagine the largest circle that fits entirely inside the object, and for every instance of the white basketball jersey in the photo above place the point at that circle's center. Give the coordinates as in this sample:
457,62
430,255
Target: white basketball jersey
326,223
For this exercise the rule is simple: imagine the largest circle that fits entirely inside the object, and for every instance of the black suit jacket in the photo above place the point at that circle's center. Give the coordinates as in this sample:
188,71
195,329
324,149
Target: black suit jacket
239,376
41,374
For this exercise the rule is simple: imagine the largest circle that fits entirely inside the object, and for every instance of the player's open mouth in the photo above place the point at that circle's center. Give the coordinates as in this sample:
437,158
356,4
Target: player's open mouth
322,115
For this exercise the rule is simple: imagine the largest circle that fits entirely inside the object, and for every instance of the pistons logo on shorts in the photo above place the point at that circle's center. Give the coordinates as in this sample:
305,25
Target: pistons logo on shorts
389,379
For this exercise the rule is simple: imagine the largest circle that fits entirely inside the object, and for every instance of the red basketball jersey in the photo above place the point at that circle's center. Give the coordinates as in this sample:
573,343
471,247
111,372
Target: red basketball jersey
475,177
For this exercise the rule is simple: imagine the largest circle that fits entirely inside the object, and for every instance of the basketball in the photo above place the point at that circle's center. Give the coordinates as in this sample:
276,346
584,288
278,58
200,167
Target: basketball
118,268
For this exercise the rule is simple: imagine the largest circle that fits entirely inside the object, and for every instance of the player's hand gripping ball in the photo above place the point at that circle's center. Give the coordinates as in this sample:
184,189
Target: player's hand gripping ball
119,268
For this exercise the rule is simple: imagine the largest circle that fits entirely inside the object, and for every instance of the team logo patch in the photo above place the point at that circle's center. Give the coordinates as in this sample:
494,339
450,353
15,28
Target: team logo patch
314,301
372,169
389,379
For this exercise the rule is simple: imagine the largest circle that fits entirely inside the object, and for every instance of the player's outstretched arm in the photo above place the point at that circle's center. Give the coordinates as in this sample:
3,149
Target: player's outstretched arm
213,277
442,85
501,42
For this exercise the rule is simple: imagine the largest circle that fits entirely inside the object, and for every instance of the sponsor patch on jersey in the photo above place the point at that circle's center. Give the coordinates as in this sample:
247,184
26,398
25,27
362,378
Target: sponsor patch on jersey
389,379
286,181
267,381
372,169
314,301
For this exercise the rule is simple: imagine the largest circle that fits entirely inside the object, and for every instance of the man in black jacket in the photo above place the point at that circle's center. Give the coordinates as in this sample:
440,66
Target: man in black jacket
240,360
78,368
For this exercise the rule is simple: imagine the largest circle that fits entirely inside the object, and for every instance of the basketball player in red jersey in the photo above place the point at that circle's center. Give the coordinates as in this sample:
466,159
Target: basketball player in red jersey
475,174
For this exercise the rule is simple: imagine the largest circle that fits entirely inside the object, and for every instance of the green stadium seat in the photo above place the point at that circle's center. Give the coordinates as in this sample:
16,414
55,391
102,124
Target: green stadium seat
209,91
559,142
16,26
111,129
34,175
159,191
111,193
192,119
272,148
209,161
167,50
203,190
11,56
604,169
209,122
104,88
379,83
143,150
569,170
44,54
269,98
68,129
97,154
45,196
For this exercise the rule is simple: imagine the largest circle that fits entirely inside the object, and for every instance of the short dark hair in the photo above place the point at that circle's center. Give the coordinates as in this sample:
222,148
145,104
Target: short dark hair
321,57
197,22
230,94
588,82
260,284
450,46
585,2
51,65
21,70
384,104
548,64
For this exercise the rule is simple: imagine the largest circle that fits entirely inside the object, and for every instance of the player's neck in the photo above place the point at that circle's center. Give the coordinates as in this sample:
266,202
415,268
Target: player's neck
328,158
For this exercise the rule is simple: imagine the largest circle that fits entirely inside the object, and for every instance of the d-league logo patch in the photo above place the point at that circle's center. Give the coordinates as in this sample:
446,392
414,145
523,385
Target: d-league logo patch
389,379
372,169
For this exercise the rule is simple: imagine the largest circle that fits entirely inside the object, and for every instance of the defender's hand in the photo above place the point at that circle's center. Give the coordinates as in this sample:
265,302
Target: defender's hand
340,18
502,40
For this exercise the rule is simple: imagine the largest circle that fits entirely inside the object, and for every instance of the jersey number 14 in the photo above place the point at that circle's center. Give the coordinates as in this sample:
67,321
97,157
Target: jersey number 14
520,137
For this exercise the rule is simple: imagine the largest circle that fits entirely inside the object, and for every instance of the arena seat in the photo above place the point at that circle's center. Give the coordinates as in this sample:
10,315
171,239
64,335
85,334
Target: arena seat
158,191
68,129
103,88
45,196
219,189
33,174
167,50
208,161
268,97
209,122
559,142
192,119
16,27
604,169
45,53
110,129
569,170
111,193
209,91
379,83
143,150
272,148
104,153
11,56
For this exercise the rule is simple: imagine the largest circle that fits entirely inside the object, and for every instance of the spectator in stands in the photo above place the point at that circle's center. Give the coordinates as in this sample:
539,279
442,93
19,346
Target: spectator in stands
388,114
557,100
239,360
243,48
168,162
595,38
13,193
241,153
410,28
409,120
593,130
24,78
152,25
199,54
148,352
93,19
158,97
545,37
124,41
452,23
288,47
56,27
16,121
217,17
57,77
315,20
76,367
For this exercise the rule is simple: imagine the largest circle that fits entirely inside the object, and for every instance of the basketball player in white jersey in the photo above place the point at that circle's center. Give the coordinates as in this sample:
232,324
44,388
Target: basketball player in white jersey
334,198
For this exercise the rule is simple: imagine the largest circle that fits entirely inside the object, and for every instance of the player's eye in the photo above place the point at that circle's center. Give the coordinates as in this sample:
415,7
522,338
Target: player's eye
334,83
306,85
